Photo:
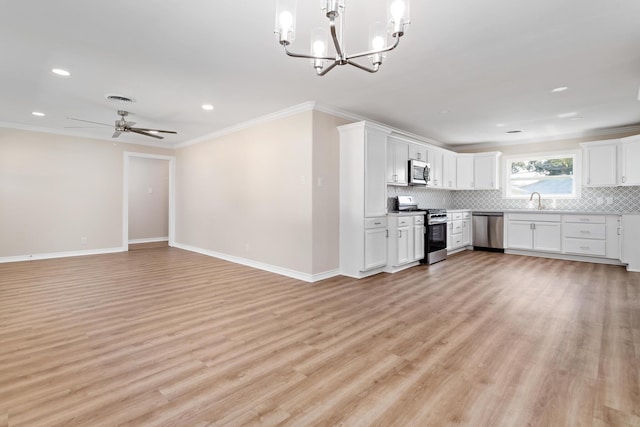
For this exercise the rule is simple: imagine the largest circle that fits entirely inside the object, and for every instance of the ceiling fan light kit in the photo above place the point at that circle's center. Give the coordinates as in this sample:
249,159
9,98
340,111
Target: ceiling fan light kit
398,17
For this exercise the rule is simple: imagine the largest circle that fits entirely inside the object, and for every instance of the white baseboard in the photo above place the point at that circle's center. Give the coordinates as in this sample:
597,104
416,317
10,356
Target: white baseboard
310,278
149,240
566,257
34,257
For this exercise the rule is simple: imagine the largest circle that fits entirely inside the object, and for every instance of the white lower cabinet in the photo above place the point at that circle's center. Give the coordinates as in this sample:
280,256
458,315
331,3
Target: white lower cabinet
406,240
591,235
534,232
375,243
458,229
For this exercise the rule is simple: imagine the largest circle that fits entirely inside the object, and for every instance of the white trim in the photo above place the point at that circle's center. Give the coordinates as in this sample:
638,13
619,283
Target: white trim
310,278
297,109
52,255
125,195
78,134
149,240
577,172
567,257
607,132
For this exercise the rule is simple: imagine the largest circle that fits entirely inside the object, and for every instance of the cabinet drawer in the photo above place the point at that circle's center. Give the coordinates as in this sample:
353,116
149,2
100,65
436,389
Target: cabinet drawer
584,231
457,227
584,246
584,219
404,221
456,240
375,223
537,217
456,216
466,215
418,220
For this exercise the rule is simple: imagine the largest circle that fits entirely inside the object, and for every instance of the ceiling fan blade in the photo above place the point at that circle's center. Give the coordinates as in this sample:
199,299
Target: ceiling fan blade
129,124
88,121
116,134
156,130
141,132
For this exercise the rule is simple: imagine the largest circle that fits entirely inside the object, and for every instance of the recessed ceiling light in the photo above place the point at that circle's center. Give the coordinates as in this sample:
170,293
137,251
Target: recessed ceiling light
207,107
567,115
559,89
500,125
61,72
38,113
514,131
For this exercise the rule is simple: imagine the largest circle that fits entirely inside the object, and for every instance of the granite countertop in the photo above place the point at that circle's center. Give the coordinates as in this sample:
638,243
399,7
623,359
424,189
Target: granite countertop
407,213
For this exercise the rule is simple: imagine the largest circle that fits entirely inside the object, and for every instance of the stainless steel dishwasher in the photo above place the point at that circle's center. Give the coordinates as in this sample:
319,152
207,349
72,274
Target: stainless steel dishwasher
488,231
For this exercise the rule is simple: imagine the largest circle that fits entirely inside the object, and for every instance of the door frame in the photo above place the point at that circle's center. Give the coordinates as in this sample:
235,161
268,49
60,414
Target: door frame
125,195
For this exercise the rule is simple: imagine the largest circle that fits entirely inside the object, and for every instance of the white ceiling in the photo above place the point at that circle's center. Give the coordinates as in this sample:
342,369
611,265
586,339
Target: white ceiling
462,68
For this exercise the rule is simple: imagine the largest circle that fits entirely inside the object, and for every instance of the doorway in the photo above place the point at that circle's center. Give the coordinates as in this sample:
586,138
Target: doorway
148,203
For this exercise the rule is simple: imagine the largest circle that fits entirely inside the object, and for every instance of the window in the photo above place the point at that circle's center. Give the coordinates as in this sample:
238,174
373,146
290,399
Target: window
553,175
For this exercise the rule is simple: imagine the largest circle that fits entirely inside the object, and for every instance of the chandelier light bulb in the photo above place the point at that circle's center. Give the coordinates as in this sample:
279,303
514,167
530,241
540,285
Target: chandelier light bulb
318,48
397,11
377,43
286,21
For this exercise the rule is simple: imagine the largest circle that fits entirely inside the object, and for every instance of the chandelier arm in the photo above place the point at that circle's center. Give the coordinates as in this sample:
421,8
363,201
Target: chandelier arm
334,36
362,67
329,68
302,55
373,52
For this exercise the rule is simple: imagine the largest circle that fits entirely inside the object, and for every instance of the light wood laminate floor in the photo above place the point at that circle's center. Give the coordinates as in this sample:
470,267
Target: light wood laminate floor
168,337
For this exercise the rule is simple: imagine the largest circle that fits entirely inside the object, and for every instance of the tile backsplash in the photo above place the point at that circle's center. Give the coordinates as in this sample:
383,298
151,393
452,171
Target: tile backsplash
624,199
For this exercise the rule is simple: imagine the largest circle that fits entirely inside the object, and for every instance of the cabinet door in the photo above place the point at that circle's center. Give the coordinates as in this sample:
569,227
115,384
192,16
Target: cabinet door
418,242
449,235
600,165
485,171
405,249
547,237
375,248
397,159
466,232
464,172
630,161
519,235
435,159
449,169
418,152
375,186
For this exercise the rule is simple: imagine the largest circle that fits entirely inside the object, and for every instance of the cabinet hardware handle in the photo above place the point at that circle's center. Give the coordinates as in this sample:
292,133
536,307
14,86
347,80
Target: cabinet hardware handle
387,234
377,223
619,231
585,247
624,179
399,234
585,231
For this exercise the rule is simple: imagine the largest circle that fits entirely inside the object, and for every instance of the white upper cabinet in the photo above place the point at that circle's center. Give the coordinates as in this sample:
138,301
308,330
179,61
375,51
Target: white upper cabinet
418,152
449,169
600,160
485,171
464,171
630,160
375,189
397,161
435,159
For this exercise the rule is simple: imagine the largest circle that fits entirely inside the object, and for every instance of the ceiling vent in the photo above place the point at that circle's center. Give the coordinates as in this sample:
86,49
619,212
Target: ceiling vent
119,98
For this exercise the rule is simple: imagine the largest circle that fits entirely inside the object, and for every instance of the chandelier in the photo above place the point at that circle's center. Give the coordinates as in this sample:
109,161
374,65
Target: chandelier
398,17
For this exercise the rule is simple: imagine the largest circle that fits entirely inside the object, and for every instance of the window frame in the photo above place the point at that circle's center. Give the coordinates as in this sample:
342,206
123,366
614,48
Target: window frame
544,155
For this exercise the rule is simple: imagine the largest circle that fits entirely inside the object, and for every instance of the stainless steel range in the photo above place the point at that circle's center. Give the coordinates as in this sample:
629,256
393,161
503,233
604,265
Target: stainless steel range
436,236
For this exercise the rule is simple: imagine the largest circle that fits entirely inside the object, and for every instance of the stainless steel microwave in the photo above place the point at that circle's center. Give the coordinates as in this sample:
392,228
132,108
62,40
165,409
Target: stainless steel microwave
419,172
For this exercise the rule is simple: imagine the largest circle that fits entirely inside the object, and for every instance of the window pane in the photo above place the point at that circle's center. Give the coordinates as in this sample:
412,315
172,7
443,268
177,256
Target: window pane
552,176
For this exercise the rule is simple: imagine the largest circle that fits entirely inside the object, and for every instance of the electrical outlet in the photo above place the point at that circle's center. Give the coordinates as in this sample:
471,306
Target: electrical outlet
600,201
609,200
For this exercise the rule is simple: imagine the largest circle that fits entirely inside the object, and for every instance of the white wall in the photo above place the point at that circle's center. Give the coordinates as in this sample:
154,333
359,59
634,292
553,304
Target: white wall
55,190
148,198
249,194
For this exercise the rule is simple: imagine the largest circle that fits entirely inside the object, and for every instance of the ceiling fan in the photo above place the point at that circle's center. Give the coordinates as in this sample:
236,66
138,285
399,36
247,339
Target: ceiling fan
122,125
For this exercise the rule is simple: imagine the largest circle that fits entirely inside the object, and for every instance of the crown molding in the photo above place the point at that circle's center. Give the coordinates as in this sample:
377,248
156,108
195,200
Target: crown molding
75,134
596,133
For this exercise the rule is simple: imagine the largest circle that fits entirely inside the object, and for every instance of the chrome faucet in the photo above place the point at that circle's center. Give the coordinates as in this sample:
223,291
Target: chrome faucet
539,201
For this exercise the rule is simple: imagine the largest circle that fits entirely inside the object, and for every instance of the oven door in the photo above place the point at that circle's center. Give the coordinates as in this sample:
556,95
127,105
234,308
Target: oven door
436,237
